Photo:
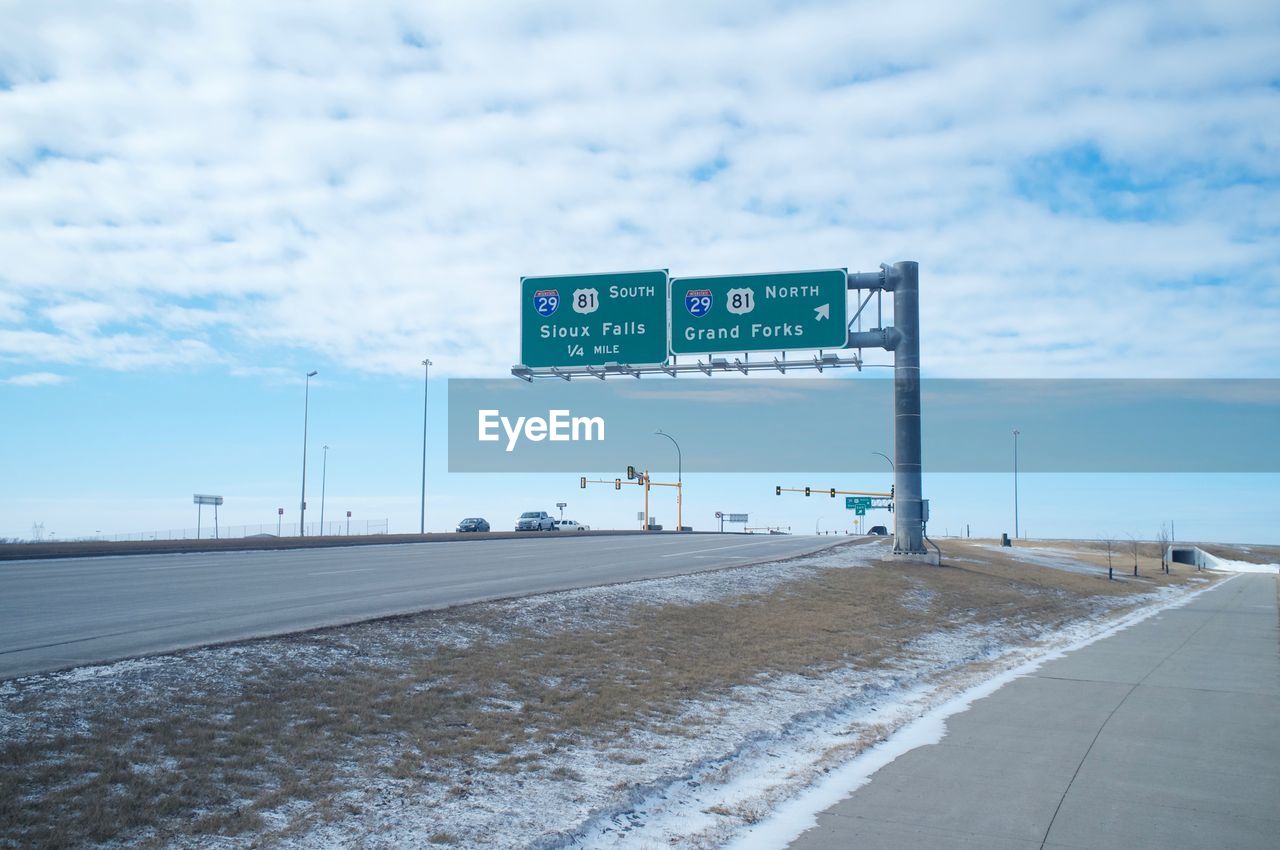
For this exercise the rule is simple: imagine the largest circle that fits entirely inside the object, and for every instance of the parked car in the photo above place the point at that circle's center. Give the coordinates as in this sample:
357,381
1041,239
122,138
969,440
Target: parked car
878,529
474,523
535,521
570,525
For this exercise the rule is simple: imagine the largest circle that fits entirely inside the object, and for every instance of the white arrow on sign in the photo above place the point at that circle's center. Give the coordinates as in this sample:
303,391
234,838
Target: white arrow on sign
824,312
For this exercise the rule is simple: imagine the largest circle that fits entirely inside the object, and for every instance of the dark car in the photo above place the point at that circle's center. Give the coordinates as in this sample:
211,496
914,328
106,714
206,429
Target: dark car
878,529
474,523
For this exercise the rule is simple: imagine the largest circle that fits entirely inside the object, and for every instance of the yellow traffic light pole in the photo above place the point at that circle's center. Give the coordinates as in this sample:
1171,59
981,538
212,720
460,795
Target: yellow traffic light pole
642,479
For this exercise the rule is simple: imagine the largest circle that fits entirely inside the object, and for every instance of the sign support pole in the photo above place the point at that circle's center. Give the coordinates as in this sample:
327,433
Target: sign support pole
908,517
903,339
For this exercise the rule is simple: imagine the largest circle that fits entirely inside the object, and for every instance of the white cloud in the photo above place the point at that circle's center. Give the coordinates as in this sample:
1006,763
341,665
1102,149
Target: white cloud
35,379
208,183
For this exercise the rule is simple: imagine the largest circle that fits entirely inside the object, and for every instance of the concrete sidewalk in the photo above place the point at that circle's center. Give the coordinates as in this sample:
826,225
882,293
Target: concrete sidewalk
1164,735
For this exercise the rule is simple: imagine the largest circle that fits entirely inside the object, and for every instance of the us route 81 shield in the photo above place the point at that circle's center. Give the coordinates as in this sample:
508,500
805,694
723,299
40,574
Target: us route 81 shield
545,301
698,302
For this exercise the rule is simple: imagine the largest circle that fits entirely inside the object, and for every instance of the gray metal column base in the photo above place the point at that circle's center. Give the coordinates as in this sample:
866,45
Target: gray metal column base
930,558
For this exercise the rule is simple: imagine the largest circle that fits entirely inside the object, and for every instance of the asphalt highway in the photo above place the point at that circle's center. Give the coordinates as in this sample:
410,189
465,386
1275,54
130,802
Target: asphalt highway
66,612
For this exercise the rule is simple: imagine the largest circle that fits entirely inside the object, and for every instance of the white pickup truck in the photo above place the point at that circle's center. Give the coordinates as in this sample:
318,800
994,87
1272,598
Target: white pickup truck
535,521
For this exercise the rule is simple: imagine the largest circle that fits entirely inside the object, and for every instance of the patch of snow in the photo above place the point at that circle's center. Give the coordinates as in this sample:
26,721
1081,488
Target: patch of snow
919,598
1046,556
1227,565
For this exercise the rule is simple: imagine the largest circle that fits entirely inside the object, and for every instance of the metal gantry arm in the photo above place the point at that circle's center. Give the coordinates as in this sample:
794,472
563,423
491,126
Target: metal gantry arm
819,361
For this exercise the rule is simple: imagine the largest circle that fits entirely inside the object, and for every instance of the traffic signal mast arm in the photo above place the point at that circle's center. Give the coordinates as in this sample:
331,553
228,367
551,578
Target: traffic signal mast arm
634,477
616,482
778,491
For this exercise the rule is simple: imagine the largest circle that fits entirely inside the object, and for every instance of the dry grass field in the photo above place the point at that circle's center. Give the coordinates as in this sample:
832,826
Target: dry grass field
268,739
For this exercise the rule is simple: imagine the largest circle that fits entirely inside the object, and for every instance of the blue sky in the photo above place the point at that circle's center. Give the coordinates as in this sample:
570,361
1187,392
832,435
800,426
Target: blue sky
200,202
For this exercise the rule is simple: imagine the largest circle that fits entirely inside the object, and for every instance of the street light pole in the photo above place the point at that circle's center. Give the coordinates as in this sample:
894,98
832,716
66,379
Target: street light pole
324,475
679,479
306,406
426,374
1016,432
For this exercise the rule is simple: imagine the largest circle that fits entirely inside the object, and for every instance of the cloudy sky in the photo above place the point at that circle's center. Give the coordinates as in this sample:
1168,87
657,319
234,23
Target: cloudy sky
234,193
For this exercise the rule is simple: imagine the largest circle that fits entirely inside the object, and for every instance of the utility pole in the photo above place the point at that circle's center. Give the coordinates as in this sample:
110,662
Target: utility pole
426,375
1016,432
306,406
324,476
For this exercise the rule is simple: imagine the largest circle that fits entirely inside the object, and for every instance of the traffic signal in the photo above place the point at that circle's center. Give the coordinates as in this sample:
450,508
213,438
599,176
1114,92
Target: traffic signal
833,492
631,473
777,491
806,492
582,482
617,483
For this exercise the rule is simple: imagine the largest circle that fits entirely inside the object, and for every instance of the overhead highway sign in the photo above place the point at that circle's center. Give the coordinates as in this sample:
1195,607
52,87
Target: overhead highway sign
594,319
780,311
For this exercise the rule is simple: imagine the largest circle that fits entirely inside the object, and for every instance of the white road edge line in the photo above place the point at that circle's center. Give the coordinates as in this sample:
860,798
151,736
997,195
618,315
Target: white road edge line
337,572
718,548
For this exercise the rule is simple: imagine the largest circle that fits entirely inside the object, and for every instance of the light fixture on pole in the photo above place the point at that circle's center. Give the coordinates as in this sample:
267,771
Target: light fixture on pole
306,406
886,457
426,375
1016,432
679,480
324,475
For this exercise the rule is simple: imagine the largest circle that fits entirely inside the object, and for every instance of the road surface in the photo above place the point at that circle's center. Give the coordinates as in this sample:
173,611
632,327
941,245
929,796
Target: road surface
1166,734
59,613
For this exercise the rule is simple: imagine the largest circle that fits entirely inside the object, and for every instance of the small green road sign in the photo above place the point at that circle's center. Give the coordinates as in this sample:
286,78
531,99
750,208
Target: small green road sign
594,319
861,511
782,311
856,502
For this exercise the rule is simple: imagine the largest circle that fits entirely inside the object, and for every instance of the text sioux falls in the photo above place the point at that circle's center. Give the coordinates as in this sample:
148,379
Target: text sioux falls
558,426
583,332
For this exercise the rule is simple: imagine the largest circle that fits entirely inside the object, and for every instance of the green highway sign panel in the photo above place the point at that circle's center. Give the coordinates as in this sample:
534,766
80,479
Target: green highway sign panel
856,502
861,511
593,319
783,311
